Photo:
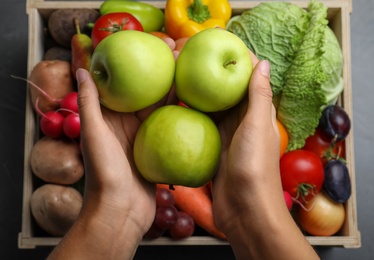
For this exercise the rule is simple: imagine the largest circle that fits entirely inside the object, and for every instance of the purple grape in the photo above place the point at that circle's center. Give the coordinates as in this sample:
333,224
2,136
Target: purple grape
154,232
184,227
166,216
164,197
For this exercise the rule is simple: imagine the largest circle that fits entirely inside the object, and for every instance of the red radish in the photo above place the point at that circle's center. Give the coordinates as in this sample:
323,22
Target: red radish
51,123
69,103
72,125
288,199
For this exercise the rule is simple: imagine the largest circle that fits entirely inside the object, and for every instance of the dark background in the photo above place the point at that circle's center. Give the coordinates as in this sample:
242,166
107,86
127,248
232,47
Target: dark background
13,60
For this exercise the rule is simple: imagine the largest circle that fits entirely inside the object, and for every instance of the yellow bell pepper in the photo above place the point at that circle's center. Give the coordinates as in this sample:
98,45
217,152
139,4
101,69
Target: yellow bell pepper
184,18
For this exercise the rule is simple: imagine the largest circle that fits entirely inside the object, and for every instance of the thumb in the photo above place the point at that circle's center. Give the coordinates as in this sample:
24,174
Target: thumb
88,101
260,93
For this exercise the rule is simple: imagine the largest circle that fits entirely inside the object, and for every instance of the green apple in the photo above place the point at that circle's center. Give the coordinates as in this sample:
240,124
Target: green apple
132,70
178,146
213,70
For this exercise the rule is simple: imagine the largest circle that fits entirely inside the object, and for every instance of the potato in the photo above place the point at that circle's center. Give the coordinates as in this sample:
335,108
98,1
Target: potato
55,78
55,208
61,23
58,53
57,161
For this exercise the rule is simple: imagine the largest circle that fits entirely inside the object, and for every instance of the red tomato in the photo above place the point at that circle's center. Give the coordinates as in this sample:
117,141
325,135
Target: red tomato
302,174
325,149
111,23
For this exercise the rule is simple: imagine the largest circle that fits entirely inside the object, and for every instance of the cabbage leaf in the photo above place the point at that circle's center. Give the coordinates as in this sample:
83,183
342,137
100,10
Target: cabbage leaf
306,61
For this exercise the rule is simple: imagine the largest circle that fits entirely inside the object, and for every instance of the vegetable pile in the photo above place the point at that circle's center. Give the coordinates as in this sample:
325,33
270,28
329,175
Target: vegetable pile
306,79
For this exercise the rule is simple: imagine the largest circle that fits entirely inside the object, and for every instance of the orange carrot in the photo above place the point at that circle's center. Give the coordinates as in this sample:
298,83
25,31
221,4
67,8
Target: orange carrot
197,203
209,187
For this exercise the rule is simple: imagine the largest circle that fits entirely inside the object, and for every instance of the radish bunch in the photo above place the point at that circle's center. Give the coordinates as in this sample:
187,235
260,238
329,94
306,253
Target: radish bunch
64,121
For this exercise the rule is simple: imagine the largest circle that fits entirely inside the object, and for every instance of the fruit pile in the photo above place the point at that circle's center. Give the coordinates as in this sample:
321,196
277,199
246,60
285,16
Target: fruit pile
315,178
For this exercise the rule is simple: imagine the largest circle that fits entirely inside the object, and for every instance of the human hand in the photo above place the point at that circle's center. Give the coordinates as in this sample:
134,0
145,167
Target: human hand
250,151
111,175
248,202
113,187
118,204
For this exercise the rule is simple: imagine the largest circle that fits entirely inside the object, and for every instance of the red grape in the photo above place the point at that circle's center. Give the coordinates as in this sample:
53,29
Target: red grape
154,232
164,197
166,216
184,227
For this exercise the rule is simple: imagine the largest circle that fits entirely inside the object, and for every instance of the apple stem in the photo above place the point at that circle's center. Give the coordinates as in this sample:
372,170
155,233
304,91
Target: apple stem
171,187
229,63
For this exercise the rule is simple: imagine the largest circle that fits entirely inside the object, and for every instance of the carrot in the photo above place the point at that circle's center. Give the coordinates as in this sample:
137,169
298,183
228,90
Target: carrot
197,203
209,187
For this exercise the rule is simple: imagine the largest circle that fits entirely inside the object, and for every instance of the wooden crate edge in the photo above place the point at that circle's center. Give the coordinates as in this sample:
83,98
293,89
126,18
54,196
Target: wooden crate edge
351,241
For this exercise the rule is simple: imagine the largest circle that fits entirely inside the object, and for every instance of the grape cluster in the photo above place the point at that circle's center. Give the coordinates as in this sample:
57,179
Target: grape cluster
169,219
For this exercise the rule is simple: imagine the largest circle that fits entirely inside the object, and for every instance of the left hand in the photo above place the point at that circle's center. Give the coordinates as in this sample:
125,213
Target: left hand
113,185
118,205
107,141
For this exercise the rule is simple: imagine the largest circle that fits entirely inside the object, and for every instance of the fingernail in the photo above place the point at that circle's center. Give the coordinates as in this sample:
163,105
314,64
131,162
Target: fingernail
264,67
81,75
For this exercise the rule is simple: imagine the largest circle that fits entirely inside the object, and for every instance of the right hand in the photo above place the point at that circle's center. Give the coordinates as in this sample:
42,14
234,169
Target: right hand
249,168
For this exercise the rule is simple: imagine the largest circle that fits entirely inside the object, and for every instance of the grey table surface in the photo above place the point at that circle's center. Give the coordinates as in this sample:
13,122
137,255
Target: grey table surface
13,60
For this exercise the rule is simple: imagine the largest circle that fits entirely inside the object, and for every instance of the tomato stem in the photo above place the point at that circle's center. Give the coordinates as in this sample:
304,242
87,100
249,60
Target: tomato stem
114,27
304,189
329,153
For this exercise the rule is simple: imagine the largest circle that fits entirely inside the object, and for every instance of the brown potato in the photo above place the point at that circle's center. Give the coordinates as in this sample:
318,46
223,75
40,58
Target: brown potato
58,53
57,161
55,208
61,23
55,78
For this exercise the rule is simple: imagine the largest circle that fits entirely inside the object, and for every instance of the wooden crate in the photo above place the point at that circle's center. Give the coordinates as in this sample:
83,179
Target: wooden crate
39,10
